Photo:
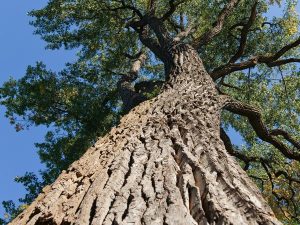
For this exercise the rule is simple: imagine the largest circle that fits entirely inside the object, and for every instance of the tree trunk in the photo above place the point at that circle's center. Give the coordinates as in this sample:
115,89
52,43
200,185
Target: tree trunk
164,164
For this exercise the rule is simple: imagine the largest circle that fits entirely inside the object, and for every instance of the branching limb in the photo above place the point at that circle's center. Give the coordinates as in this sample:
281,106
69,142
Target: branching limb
146,39
173,6
232,151
158,44
176,26
287,176
217,26
185,32
248,159
287,136
138,23
151,7
161,32
123,5
255,119
223,83
283,62
269,60
134,56
244,35
272,174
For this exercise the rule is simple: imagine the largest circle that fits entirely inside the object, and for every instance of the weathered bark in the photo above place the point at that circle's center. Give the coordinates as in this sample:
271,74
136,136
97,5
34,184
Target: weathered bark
164,164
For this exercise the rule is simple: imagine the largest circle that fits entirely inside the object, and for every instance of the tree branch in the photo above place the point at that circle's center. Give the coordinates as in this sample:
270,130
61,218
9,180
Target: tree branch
287,136
283,62
270,61
122,6
232,151
151,7
244,35
177,27
255,119
217,26
184,33
146,39
222,83
173,6
268,168
159,44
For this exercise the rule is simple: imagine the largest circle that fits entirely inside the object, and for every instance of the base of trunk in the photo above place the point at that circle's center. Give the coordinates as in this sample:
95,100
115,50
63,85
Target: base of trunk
164,164
152,170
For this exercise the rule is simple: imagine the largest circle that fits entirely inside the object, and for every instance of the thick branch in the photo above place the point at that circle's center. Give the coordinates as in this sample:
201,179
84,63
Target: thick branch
177,27
283,62
173,6
233,67
185,32
159,44
126,6
255,119
268,168
217,26
222,83
244,35
266,165
287,136
146,39
151,7
162,34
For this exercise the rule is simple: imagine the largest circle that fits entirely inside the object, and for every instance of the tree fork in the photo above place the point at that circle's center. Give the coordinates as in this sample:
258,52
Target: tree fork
164,164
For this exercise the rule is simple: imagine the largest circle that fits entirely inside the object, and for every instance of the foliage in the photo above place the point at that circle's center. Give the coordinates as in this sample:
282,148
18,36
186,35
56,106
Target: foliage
81,102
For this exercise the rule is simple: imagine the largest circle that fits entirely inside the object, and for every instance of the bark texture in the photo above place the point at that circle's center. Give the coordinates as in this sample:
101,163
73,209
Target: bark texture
164,164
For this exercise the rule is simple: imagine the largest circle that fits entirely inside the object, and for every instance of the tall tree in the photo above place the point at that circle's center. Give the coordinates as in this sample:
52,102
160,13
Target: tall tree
175,65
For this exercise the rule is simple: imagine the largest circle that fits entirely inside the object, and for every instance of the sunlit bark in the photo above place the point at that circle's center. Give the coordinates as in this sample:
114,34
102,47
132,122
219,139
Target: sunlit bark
164,164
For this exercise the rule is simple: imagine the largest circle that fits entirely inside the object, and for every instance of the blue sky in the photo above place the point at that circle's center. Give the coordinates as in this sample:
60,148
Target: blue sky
18,49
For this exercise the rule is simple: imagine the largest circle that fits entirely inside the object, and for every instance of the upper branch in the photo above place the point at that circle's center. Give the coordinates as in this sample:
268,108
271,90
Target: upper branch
244,35
126,6
141,28
173,6
270,61
151,7
185,32
217,26
255,119
283,62
232,151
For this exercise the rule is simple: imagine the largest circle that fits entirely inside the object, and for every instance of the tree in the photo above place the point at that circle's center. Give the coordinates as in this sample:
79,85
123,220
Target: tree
169,160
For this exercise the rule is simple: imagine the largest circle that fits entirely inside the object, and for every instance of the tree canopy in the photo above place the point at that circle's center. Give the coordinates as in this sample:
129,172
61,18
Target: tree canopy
251,54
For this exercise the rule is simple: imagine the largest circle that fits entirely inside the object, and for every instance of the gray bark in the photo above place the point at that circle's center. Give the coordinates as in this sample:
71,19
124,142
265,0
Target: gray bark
164,164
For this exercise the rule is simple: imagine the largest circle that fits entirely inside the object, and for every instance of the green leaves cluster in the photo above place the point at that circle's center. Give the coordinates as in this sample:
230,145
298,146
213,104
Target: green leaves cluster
78,104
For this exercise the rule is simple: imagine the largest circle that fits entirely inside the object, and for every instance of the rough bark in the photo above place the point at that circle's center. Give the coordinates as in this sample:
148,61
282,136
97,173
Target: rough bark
164,164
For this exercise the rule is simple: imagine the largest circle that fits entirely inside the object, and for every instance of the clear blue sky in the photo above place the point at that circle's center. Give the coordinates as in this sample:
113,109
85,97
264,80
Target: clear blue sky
18,49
